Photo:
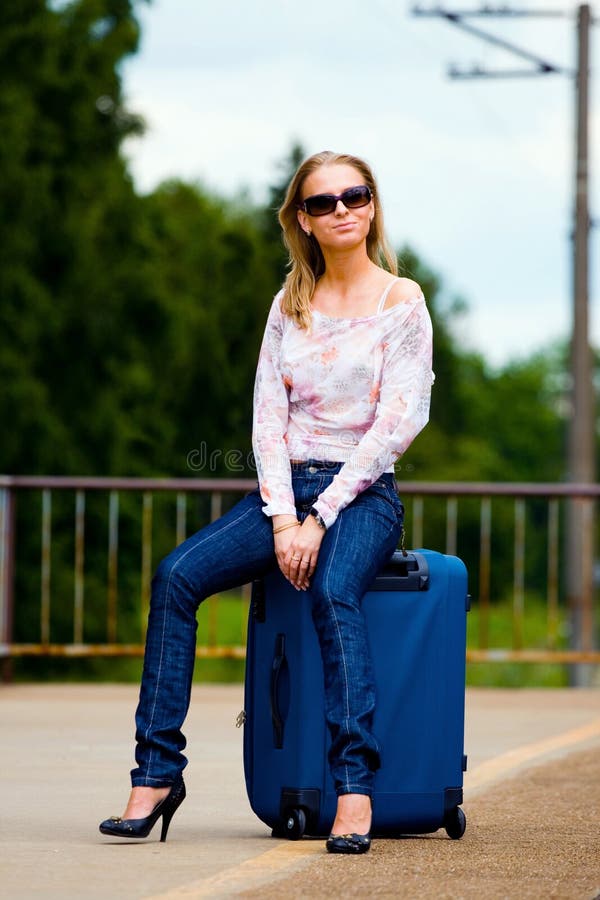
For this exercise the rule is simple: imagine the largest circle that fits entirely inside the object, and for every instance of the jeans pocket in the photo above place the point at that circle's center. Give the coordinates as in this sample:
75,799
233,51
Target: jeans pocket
388,490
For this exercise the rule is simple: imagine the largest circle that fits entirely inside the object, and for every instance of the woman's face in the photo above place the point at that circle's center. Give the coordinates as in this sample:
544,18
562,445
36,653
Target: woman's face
343,228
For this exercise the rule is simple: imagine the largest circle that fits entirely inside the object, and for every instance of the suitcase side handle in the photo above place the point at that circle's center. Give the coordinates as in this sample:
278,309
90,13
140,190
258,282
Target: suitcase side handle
279,670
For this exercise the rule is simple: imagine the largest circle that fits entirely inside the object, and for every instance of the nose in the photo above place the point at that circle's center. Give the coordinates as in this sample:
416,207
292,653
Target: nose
340,209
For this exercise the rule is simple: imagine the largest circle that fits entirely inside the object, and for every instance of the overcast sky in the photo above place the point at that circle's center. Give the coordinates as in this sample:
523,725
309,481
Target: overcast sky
476,175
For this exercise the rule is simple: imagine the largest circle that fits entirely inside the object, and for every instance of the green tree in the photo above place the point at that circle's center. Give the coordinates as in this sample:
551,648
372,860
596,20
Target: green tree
275,197
65,202
216,275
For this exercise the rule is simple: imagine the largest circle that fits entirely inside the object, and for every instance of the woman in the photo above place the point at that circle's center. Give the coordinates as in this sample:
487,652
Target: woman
342,388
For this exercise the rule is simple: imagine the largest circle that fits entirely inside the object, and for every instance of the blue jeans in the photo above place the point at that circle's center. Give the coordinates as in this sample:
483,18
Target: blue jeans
236,549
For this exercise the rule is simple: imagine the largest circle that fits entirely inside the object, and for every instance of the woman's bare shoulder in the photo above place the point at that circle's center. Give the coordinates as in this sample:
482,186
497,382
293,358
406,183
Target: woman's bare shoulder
403,290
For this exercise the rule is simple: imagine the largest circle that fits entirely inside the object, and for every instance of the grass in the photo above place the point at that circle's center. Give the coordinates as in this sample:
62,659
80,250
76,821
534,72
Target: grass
222,622
501,636
225,622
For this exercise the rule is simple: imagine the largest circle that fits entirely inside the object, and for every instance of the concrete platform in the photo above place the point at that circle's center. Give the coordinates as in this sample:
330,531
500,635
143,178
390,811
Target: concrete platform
66,751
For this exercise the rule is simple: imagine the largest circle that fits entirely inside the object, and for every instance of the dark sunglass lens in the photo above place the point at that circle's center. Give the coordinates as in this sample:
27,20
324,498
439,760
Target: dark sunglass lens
355,197
320,204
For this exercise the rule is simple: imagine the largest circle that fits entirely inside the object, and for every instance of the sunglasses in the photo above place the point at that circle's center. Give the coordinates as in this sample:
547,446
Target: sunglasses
322,204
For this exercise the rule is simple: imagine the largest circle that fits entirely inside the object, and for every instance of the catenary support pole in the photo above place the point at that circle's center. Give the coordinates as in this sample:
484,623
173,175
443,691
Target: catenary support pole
581,438
580,462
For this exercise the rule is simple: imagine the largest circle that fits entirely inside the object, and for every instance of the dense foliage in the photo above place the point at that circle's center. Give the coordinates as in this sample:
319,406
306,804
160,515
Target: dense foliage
130,324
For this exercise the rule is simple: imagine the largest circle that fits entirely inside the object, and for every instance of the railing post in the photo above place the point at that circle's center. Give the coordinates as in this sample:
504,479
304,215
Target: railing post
485,565
416,530
46,566
519,574
580,584
147,503
552,573
113,555
216,511
451,525
7,573
79,567
180,527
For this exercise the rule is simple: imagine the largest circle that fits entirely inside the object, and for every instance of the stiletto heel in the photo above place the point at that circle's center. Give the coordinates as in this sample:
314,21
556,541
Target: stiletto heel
141,828
166,821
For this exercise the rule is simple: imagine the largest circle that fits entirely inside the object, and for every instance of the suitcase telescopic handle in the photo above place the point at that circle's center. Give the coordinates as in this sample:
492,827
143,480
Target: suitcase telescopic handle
405,571
277,669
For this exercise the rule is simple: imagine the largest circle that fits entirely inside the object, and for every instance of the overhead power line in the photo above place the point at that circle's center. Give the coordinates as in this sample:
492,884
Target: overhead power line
581,439
457,18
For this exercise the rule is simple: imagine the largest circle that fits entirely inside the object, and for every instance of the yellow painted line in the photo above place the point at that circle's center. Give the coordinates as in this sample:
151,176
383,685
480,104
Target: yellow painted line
250,873
290,855
502,765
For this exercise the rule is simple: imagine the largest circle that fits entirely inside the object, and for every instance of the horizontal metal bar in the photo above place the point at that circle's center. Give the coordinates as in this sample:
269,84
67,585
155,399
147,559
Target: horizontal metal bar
100,483
500,488
495,655
433,488
533,656
132,650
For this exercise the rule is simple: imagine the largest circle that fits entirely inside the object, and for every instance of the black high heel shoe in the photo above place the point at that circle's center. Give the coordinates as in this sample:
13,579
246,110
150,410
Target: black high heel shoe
348,843
141,828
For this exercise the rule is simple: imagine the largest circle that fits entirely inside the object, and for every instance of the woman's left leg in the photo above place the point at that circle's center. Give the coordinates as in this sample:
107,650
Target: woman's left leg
362,538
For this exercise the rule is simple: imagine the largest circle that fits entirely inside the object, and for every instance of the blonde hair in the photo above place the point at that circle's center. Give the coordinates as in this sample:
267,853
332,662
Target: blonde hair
306,263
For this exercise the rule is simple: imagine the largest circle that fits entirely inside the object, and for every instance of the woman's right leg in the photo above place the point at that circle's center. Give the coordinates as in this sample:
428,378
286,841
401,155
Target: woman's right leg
231,551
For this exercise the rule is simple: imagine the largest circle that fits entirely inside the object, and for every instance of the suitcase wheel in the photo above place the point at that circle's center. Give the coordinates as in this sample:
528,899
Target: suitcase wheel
295,824
455,823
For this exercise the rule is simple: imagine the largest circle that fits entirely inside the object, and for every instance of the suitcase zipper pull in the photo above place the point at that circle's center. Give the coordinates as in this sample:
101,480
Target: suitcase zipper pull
240,719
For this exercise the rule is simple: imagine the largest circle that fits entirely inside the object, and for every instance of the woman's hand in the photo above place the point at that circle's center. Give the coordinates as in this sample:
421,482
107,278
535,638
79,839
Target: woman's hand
289,526
297,550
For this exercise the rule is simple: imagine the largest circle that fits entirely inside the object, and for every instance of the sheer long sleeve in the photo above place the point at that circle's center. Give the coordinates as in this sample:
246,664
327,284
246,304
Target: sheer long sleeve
271,413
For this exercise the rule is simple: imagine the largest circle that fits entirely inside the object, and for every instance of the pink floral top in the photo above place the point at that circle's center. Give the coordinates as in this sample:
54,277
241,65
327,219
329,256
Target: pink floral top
352,390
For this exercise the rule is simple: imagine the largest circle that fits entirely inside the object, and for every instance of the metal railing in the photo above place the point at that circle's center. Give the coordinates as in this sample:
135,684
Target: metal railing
444,517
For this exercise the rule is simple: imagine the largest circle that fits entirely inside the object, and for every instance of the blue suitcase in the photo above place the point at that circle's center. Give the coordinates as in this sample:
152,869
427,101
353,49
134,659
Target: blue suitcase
416,620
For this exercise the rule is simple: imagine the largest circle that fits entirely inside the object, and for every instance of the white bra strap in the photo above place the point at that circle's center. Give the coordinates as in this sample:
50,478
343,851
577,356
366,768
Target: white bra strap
384,296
